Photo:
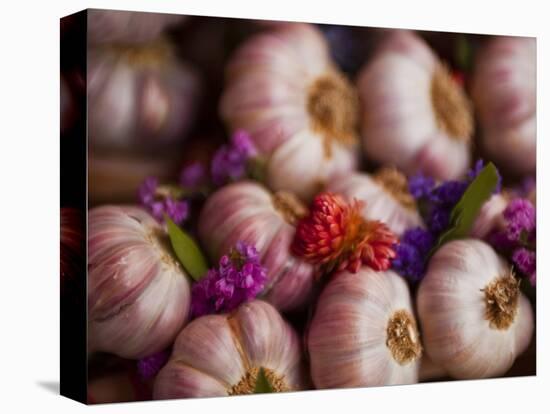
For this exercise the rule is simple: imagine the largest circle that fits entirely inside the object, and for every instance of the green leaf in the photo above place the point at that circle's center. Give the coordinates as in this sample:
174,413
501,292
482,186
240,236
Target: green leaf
467,209
262,384
187,250
464,54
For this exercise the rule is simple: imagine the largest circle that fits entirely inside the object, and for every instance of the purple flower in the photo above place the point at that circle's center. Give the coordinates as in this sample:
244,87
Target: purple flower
420,186
239,278
520,219
193,175
158,206
147,190
412,253
230,161
526,262
448,193
149,366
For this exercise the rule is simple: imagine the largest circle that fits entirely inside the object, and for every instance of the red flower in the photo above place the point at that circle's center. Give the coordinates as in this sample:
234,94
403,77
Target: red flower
335,235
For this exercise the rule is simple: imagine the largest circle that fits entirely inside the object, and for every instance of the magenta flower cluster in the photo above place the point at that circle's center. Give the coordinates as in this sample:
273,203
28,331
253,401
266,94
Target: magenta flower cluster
149,366
239,278
517,237
435,203
230,162
158,206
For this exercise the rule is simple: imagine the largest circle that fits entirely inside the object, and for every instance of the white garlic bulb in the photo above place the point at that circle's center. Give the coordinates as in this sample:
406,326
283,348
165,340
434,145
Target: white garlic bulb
504,92
364,332
474,319
385,197
220,355
138,294
139,97
127,26
413,114
301,112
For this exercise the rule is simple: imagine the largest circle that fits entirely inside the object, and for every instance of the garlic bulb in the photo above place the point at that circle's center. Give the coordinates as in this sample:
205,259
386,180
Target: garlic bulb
414,115
139,97
474,319
364,332
127,26
138,294
301,112
490,216
217,355
386,197
246,211
504,93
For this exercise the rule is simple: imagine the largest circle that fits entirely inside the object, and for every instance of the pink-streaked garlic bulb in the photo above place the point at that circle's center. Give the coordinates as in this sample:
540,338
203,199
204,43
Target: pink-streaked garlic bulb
139,96
490,216
474,319
504,94
301,112
138,293
128,26
364,332
220,355
385,195
247,211
414,115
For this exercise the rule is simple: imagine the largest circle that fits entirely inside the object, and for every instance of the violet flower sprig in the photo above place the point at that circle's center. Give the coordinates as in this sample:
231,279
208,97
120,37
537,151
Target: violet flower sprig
436,203
232,161
160,201
238,278
516,238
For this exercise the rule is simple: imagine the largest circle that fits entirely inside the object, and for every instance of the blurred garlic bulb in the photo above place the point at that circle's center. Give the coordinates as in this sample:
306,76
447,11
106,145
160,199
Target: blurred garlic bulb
385,194
138,293
414,115
246,211
364,332
301,112
474,319
490,216
504,93
127,26
139,97
219,355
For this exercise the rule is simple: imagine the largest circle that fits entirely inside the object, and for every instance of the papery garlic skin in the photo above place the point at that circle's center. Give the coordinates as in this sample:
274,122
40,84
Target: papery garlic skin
219,355
348,339
413,115
504,93
300,111
490,216
139,97
127,26
247,211
397,211
138,294
453,308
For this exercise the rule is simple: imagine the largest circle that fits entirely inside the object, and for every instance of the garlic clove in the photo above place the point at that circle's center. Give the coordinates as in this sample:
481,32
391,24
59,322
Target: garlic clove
468,330
489,217
176,380
363,332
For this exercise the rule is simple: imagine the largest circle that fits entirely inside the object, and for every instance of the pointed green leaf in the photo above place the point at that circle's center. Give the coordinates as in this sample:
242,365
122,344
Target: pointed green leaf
187,250
262,384
467,209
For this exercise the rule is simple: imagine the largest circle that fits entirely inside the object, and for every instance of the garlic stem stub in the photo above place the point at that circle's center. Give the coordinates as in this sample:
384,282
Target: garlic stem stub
364,332
301,112
385,195
138,293
413,114
504,88
474,319
248,212
220,355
